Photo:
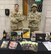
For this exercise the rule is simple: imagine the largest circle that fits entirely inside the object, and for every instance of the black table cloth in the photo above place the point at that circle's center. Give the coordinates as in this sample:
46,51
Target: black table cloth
19,49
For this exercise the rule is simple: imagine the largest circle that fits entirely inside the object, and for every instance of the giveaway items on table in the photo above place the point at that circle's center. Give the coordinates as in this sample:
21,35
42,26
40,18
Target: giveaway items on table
13,45
28,45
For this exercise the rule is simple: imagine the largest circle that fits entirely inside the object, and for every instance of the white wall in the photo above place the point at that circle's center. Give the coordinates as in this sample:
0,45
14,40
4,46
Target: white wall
43,18
4,20
48,15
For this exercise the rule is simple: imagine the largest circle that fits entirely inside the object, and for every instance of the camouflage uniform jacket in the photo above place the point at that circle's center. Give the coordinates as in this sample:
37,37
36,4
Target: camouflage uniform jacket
34,20
16,20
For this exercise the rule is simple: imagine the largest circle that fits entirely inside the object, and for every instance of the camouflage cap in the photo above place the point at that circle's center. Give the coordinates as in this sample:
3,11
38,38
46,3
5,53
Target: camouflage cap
34,5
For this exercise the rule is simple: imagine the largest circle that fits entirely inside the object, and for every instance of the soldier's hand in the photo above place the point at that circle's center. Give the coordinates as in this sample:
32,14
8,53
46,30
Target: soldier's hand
14,21
19,20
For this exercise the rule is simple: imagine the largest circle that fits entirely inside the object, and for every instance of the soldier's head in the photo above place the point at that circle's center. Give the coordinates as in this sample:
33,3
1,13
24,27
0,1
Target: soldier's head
16,7
34,7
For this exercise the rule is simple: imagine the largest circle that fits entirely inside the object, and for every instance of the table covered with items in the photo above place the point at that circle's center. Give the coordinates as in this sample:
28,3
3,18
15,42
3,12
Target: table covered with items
22,41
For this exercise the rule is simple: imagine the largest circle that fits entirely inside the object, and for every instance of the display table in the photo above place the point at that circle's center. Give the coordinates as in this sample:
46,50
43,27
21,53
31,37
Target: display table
41,48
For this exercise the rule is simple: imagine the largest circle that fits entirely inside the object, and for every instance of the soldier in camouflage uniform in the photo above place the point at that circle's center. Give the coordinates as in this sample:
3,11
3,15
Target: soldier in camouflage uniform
16,19
34,18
